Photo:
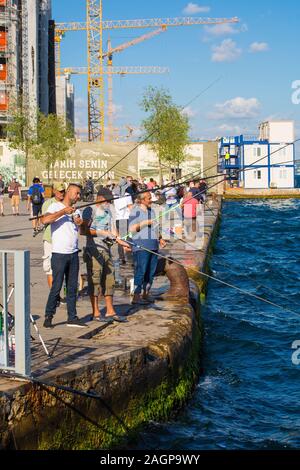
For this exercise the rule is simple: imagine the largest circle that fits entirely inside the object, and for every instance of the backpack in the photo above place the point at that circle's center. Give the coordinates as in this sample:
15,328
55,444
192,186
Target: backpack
180,192
36,196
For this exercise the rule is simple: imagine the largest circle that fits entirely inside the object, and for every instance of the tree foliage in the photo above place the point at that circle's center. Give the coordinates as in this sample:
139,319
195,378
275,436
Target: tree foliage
166,128
21,130
54,140
46,138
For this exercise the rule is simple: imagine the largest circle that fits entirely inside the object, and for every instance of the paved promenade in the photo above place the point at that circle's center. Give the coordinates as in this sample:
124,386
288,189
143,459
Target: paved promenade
74,348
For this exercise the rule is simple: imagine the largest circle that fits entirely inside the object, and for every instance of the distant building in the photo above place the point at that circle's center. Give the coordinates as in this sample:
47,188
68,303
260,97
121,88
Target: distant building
65,99
201,161
263,162
26,58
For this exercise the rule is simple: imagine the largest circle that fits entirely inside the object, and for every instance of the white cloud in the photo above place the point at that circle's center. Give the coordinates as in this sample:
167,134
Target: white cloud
189,112
118,111
238,107
218,30
230,128
194,8
227,51
221,29
259,47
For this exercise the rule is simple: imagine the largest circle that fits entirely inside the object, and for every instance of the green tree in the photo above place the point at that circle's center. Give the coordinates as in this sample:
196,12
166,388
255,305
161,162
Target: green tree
21,131
54,140
166,128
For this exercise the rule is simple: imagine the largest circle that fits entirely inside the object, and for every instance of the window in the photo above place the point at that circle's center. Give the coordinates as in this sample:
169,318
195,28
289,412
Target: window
283,174
257,174
257,152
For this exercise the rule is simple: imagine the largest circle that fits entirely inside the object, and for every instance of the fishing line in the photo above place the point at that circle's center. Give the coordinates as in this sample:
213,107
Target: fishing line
171,260
159,188
229,268
215,176
155,130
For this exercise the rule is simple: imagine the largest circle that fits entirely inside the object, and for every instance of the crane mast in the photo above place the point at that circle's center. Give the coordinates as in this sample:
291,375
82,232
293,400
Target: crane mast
94,27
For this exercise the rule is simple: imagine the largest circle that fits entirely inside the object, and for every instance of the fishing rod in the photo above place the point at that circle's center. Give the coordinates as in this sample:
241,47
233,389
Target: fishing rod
159,188
145,140
247,168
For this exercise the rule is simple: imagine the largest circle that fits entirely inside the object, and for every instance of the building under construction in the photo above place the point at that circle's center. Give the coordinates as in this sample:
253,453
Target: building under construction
27,59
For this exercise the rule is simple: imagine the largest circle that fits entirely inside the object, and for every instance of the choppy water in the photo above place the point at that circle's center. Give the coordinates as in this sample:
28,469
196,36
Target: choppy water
249,394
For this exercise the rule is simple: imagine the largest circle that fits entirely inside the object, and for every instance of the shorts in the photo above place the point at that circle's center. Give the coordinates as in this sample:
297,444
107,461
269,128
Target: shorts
100,272
15,201
36,209
47,258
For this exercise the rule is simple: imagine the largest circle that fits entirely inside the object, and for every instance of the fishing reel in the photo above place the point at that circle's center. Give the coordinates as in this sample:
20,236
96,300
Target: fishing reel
109,241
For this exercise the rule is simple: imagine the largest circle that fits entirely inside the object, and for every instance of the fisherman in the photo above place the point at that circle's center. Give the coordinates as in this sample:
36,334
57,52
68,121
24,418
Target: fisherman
145,235
64,220
100,229
58,190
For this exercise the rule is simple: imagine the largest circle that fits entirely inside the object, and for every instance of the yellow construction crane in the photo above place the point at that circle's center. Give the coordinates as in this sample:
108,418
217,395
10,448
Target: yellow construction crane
109,70
95,27
109,54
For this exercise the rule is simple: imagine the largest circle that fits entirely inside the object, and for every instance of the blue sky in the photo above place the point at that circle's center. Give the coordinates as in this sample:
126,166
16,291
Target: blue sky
256,62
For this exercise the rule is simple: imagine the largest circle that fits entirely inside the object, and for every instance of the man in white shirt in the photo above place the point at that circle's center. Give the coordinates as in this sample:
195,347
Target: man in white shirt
64,220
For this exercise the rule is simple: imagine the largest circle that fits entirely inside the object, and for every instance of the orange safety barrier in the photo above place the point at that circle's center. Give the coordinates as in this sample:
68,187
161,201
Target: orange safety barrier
3,102
3,72
3,40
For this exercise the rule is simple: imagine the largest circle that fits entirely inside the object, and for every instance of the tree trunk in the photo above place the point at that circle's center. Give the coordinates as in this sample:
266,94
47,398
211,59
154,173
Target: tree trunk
160,172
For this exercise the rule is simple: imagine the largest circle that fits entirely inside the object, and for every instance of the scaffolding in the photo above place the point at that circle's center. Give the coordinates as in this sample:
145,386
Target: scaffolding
8,59
24,59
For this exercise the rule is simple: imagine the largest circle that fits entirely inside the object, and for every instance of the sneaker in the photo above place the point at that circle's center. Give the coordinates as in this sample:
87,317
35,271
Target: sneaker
34,233
48,323
77,323
63,301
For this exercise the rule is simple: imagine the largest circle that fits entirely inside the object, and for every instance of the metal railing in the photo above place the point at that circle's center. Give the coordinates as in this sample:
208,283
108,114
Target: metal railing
15,353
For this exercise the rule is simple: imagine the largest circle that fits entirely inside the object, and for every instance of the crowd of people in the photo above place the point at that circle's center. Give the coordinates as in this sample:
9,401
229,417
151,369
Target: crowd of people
122,214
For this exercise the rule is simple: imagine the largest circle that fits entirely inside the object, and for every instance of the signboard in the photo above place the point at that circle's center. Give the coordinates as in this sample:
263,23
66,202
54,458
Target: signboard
90,159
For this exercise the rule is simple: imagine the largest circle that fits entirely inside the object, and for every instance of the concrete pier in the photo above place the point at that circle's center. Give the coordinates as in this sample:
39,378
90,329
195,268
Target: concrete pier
138,371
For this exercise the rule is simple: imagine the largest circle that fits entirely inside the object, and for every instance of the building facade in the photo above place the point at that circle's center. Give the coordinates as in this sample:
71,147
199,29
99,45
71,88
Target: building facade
263,162
26,58
201,161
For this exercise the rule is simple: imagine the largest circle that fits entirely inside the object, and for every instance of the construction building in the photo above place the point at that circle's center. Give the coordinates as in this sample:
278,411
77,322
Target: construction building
27,62
260,162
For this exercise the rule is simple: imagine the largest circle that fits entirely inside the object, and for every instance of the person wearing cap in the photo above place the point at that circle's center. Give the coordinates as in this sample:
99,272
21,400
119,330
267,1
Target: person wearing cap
58,191
14,192
65,220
